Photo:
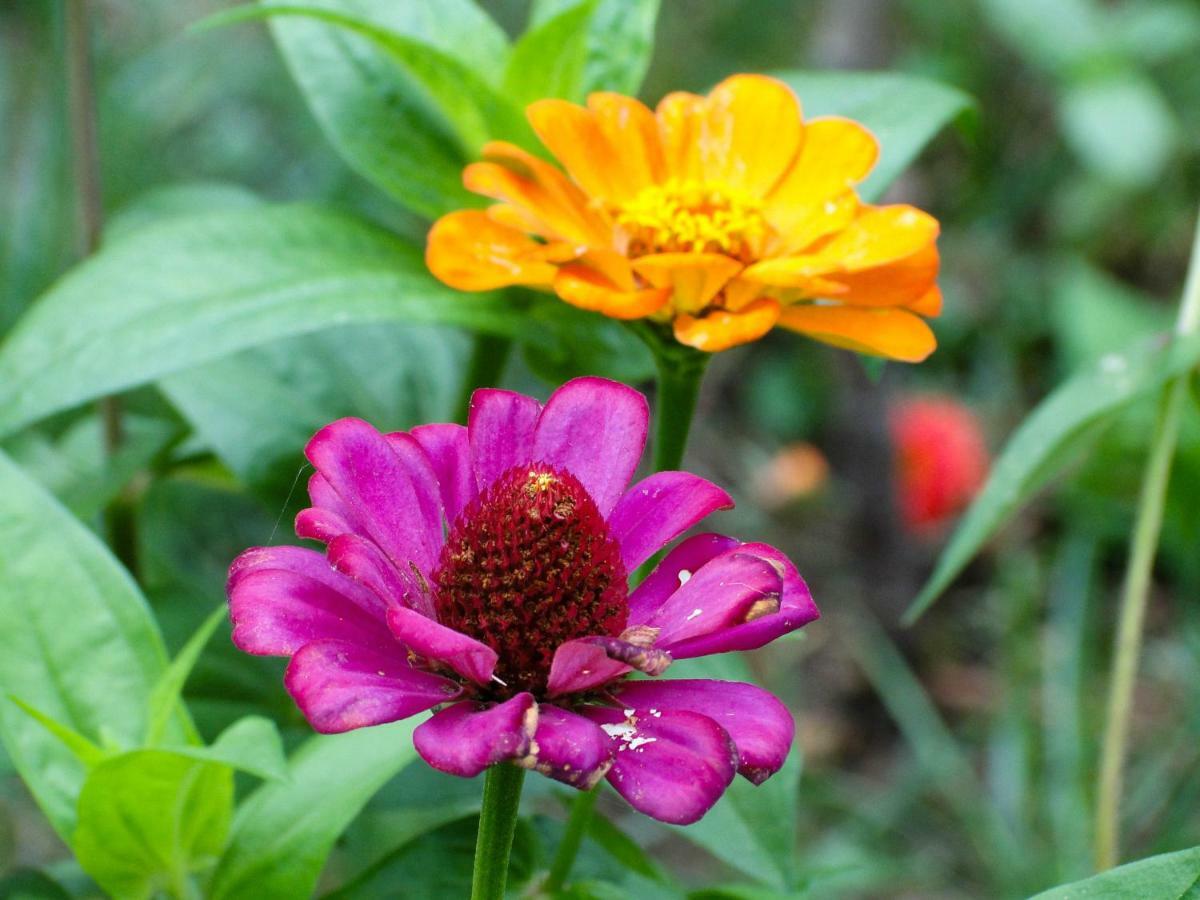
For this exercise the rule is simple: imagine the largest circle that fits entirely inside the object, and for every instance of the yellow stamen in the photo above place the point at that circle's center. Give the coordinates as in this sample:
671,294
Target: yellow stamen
692,217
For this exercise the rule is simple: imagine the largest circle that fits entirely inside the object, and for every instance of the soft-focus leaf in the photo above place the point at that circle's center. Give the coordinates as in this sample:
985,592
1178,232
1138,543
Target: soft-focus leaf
187,199
1170,876
394,376
619,41
85,750
79,642
149,819
283,832
197,289
589,345
753,828
250,745
904,112
376,112
1053,36
75,466
549,58
29,884
1134,155
1049,438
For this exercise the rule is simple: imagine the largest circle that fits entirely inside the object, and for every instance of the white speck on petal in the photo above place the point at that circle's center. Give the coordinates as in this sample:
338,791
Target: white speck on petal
684,577
638,742
629,714
695,612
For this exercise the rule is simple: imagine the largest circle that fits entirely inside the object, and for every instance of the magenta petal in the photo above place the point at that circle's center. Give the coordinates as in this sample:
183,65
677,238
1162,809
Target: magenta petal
658,509
666,578
569,748
449,451
761,727
465,738
796,608
465,655
596,430
581,665
320,524
500,431
387,487
359,558
325,497
671,765
340,686
720,594
275,613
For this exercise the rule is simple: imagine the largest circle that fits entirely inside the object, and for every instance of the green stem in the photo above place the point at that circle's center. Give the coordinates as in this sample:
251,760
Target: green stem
1143,546
680,370
568,847
489,355
497,824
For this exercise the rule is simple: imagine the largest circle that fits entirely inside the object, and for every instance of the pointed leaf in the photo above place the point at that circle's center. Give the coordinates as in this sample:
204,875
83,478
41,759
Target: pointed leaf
1170,875
250,744
619,41
167,691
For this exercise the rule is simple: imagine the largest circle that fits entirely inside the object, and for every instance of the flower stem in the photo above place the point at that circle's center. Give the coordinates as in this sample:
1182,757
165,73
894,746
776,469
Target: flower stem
1143,546
680,370
489,355
568,847
497,824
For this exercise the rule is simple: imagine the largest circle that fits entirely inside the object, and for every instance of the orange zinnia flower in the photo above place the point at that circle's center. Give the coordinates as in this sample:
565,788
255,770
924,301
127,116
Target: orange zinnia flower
722,215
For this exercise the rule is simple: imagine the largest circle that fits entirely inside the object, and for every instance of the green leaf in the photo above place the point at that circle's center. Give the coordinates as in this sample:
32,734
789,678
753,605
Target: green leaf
380,109
904,112
79,642
1049,439
164,699
548,60
1171,876
199,288
85,750
395,376
619,41
753,828
149,820
283,832
169,201
250,744
630,854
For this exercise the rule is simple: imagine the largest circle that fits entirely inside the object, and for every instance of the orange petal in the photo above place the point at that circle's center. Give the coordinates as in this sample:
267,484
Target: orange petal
632,134
543,197
891,333
694,278
575,138
588,289
836,155
901,283
928,304
469,251
722,329
678,116
752,133
877,236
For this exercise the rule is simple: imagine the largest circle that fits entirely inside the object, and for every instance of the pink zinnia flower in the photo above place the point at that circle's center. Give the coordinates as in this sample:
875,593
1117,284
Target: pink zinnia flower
484,570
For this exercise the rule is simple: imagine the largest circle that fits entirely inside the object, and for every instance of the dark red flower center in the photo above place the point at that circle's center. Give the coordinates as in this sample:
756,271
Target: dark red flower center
529,564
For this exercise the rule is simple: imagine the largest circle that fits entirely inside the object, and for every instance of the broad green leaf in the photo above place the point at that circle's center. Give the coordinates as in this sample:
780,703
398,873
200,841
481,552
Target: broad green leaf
169,687
1049,438
1170,876
379,114
79,643
199,288
30,884
548,60
283,832
589,345
619,41
250,745
170,201
631,855
904,112
394,376
753,828
149,820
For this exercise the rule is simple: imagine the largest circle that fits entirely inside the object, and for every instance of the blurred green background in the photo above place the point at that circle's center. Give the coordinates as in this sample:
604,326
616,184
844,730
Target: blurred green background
952,759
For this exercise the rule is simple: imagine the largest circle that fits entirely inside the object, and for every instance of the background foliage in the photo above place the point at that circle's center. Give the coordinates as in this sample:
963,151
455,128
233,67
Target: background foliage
266,188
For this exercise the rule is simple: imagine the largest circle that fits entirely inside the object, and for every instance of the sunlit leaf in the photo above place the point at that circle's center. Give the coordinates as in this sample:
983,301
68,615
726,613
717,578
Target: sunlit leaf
619,41
1170,875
